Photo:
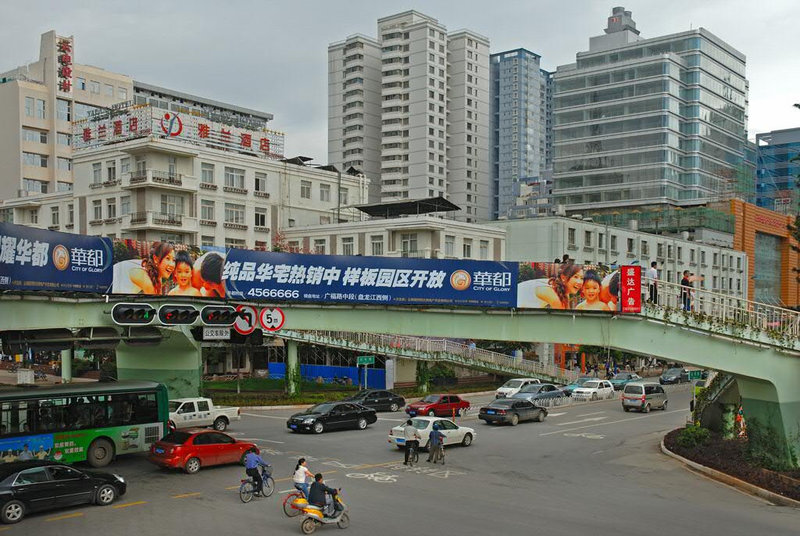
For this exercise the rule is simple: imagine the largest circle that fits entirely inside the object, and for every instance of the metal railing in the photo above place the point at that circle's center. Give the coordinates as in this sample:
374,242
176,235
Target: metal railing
398,343
725,308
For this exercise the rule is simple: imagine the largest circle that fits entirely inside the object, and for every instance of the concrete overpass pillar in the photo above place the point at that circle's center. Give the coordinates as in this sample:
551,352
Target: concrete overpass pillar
66,365
292,369
177,362
776,405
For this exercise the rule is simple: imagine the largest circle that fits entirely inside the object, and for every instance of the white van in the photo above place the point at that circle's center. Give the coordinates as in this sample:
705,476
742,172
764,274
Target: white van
644,396
512,387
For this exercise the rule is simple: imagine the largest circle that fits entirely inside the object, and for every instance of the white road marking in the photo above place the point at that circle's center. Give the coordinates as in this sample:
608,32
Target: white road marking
393,420
614,422
589,414
556,414
264,416
259,439
582,420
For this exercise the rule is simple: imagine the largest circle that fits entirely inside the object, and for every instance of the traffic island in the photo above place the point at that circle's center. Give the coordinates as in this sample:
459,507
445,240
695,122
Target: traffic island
727,461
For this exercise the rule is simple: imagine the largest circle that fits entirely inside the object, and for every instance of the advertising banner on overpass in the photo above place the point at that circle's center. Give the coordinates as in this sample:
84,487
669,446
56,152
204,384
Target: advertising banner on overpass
294,277
36,259
568,285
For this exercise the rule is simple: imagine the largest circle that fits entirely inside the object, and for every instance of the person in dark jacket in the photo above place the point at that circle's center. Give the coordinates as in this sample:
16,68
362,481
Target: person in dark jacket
320,494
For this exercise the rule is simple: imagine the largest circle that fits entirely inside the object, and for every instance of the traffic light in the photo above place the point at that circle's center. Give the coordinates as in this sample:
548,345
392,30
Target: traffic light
132,314
172,315
219,315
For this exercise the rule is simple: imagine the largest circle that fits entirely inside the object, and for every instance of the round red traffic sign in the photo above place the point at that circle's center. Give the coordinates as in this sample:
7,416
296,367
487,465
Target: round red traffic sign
248,318
272,318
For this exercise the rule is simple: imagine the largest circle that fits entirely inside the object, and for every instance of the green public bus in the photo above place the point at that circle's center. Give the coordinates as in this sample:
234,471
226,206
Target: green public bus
78,422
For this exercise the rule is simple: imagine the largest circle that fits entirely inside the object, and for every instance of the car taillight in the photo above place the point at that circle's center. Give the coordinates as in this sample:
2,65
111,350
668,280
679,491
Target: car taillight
644,398
501,411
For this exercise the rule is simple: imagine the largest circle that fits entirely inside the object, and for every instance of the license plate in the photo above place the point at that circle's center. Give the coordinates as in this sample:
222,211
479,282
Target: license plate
293,426
490,412
412,412
159,451
401,441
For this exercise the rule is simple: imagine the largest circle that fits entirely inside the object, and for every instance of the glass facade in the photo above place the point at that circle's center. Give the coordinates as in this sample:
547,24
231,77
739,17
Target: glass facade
778,161
521,119
654,122
768,269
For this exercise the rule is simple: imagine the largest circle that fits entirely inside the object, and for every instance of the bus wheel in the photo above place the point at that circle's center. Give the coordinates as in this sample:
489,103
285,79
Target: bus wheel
100,453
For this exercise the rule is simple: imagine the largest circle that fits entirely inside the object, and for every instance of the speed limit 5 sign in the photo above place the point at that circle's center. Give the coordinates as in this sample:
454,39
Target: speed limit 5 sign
271,318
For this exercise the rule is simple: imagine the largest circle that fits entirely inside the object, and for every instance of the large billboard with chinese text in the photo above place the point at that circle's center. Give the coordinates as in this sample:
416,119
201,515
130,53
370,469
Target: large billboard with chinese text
293,277
167,269
36,259
568,285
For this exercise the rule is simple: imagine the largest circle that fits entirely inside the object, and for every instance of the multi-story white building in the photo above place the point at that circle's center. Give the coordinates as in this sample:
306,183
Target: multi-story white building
433,97
548,238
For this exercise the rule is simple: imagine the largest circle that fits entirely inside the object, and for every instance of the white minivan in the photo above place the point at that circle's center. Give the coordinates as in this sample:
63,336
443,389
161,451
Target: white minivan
644,396
512,387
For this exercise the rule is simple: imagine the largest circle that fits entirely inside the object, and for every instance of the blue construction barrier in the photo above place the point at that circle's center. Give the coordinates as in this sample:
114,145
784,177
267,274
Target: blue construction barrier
376,378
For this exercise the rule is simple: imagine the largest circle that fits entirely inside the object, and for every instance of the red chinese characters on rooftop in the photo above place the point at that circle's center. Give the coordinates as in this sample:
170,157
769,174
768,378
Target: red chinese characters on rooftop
64,67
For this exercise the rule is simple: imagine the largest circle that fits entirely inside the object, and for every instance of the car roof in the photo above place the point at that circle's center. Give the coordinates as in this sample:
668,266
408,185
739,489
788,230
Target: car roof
8,469
643,383
426,418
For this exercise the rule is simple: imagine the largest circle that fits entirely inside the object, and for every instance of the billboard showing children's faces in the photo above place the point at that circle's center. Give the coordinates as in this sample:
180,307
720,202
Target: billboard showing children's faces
580,287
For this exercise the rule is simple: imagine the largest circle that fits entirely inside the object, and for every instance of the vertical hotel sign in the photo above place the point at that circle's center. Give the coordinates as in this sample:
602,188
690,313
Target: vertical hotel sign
64,60
631,289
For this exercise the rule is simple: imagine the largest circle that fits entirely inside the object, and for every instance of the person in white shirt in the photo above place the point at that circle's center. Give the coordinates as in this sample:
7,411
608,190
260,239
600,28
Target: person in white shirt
412,438
652,275
301,474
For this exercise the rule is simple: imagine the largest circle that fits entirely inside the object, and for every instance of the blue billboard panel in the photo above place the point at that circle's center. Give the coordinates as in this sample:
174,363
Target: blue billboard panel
36,259
294,277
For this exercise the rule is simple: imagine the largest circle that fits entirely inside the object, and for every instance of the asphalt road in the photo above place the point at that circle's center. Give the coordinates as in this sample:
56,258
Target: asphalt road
588,469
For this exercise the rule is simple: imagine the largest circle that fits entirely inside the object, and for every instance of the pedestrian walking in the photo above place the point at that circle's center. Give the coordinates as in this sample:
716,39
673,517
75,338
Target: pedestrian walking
652,276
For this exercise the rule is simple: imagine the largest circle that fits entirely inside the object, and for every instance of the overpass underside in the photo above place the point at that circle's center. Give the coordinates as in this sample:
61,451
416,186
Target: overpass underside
765,365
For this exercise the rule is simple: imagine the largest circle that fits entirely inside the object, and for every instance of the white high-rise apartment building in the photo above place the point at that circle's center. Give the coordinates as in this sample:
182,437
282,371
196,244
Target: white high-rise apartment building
433,101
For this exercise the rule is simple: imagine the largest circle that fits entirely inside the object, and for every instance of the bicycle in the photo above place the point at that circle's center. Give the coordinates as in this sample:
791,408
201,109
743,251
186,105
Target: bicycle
438,454
248,487
289,507
413,455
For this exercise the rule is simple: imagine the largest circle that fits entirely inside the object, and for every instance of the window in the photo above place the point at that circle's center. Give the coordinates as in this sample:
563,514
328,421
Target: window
319,246
125,165
29,103
33,215
305,189
702,257
70,214
206,240
141,165
343,196
484,249
408,243
324,220
234,178
570,236
172,204
716,259
601,240
680,253
645,248
109,90
348,246
64,139
235,243
324,192
292,222
111,207
64,164
40,110
587,238
81,83
449,246
467,248
631,245
54,216
207,210
207,173
63,110
172,166
261,217
60,472
34,159
36,136
31,476
111,170
125,205
122,93
261,182
234,213
97,173
97,210
377,244
614,242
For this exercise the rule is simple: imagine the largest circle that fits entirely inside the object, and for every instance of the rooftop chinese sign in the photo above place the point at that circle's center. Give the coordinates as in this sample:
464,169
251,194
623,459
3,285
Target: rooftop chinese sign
35,259
144,120
64,59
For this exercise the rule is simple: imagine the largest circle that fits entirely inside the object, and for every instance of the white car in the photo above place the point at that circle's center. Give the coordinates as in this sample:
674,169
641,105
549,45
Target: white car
195,412
512,387
594,390
453,433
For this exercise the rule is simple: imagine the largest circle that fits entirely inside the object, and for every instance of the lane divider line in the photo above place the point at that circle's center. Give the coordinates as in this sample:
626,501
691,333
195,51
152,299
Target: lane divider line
266,416
614,422
125,505
67,516
590,414
184,495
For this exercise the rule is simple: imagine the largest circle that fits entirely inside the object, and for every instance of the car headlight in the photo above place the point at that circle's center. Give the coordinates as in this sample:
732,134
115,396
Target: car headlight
118,477
308,420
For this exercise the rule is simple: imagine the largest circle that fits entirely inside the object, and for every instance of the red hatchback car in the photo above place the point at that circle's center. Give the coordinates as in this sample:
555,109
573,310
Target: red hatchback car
438,405
193,448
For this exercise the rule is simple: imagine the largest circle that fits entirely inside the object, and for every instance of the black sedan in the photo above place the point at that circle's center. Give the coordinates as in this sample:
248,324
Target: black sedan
674,375
542,394
378,400
511,411
332,416
34,486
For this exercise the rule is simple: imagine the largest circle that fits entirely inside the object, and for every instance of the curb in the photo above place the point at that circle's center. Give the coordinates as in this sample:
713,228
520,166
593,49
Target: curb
304,406
732,481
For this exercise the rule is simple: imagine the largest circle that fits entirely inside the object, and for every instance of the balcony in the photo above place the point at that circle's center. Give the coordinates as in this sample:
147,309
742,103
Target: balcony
259,193
157,220
260,229
159,179
208,186
231,225
208,223
234,190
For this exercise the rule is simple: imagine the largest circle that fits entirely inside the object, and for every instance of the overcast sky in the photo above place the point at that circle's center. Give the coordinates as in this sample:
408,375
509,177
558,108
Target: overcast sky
272,56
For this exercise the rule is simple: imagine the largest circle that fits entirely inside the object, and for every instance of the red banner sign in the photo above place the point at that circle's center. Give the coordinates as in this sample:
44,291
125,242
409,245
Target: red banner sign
630,289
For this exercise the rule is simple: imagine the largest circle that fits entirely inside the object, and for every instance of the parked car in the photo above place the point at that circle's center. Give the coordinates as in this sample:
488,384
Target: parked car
512,387
378,400
438,405
594,390
332,416
453,433
568,389
644,396
621,379
541,392
674,375
511,411
33,486
196,447
194,412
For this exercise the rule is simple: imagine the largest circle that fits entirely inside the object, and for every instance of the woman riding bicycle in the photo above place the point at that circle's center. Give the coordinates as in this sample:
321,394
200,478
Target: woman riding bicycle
301,475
